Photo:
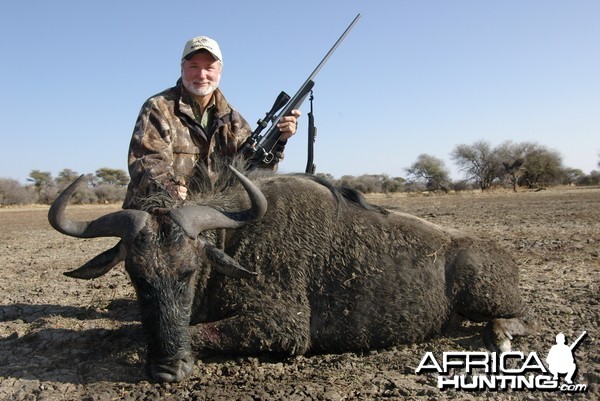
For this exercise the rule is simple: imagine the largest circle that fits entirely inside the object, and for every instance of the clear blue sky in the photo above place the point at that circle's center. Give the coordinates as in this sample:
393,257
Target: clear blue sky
413,77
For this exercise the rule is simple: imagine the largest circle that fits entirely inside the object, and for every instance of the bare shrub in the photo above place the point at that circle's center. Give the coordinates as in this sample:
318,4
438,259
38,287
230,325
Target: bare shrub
85,196
592,178
462,186
13,193
415,186
106,193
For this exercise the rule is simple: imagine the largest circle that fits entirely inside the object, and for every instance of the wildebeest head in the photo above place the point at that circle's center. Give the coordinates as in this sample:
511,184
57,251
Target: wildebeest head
163,255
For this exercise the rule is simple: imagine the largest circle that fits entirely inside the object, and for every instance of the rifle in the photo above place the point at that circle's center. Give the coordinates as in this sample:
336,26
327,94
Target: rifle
576,342
259,148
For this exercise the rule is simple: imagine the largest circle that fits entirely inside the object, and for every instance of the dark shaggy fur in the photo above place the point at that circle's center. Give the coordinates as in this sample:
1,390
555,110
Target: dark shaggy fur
336,273
333,273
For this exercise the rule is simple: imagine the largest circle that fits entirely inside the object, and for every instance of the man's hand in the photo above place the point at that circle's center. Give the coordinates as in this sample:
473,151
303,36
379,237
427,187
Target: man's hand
288,125
178,190
181,192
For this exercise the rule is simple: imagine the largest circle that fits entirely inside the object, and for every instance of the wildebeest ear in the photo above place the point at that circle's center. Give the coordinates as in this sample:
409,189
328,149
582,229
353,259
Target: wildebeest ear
225,264
100,264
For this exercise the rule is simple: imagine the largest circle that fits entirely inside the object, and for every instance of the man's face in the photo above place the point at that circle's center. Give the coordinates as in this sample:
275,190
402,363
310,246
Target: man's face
201,74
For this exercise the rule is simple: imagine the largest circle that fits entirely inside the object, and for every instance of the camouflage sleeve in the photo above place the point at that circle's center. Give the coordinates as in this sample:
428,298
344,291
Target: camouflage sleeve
150,156
240,128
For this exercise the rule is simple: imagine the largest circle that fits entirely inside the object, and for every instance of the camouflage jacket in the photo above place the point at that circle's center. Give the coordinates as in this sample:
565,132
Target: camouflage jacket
168,146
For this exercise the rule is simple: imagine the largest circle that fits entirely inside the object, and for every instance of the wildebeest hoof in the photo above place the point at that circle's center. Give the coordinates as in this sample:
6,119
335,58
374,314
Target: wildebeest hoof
499,333
172,370
496,339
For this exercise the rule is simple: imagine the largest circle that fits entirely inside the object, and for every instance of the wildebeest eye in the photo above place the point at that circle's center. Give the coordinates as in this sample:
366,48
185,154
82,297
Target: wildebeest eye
143,238
186,275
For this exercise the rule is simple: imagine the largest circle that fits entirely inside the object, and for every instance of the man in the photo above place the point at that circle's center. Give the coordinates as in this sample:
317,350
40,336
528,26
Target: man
560,359
182,133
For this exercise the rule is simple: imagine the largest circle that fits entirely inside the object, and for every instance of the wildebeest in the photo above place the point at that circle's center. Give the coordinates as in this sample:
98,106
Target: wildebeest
302,266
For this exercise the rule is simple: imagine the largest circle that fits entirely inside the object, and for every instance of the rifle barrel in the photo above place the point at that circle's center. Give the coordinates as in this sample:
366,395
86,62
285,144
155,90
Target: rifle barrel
299,97
260,146
335,46
578,340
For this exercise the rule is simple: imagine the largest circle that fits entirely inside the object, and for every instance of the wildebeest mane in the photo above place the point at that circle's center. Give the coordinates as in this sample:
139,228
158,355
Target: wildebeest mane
345,195
217,192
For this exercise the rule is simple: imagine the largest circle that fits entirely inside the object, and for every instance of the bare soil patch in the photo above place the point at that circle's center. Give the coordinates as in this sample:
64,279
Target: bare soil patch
65,339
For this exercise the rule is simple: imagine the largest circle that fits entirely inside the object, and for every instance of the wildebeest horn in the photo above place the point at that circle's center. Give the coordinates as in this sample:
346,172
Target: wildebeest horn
124,224
194,219
225,264
100,264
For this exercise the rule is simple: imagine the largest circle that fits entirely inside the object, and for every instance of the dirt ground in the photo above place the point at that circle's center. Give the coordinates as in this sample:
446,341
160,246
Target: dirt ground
64,339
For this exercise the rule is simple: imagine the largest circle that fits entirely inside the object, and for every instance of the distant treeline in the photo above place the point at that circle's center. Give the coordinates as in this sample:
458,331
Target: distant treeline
510,165
105,186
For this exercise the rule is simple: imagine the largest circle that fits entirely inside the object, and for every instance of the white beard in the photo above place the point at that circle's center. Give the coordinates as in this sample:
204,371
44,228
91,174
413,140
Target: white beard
205,90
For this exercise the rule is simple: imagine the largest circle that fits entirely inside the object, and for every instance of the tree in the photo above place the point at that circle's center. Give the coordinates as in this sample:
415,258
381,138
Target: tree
478,162
591,179
40,178
531,164
370,183
43,185
512,156
391,184
112,176
542,166
431,171
572,175
65,177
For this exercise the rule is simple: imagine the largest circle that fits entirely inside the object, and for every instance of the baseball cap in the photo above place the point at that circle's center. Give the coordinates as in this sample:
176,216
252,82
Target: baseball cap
202,42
